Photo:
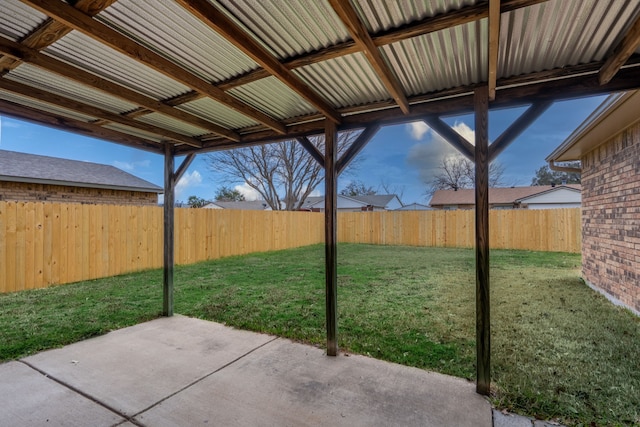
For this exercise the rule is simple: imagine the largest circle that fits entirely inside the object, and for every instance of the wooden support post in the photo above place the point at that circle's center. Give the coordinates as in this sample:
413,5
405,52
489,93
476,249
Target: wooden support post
169,186
483,319
331,261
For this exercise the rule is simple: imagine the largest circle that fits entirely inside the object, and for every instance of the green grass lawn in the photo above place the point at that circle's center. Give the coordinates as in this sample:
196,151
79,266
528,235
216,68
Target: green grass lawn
559,350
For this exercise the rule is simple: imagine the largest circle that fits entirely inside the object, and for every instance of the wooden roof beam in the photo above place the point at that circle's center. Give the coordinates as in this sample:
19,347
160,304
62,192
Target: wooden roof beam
32,56
361,36
563,89
33,115
356,147
493,48
451,136
77,20
51,31
236,35
306,143
105,116
621,53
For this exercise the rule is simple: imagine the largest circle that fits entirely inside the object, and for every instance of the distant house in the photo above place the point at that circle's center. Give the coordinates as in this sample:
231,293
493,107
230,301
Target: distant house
256,205
377,202
536,197
29,177
414,207
608,147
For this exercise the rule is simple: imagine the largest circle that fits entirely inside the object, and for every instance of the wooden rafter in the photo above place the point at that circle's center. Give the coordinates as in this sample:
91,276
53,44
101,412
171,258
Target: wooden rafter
236,35
312,150
451,136
517,127
51,31
80,107
621,53
493,48
361,36
44,118
77,20
32,56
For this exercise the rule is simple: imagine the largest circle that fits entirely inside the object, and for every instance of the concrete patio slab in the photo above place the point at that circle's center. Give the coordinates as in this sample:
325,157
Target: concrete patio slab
28,398
133,368
183,371
290,384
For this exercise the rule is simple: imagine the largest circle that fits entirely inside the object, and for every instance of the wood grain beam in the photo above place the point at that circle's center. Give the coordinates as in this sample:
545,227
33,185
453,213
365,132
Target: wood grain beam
361,36
562,89
356,147
32,56
105,116
419,28
107,36
451,136
237,36
517,127
51,31
621,53
331,236
493,48
483,305
44,118
306,143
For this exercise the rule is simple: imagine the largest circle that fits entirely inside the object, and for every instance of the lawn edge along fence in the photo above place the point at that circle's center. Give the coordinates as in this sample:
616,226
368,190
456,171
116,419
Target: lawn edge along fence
44,244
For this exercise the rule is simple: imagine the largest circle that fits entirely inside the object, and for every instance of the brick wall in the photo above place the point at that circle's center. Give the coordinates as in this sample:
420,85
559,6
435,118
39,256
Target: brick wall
26,192
611,217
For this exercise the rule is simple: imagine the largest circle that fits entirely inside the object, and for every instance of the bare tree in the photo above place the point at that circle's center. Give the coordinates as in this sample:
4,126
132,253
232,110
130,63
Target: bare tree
388,188
283,174
456,173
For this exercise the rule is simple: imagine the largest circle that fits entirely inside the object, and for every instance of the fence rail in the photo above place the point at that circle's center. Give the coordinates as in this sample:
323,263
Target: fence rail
43,244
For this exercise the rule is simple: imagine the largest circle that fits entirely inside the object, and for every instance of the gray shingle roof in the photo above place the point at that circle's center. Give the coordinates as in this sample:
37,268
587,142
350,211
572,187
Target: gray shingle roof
496,195
22,167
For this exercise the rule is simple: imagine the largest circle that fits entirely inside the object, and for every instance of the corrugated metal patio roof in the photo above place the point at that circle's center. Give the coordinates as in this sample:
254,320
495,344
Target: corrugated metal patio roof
208,75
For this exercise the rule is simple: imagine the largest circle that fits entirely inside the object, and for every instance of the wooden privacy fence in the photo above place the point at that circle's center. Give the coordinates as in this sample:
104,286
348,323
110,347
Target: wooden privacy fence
51,243
554,230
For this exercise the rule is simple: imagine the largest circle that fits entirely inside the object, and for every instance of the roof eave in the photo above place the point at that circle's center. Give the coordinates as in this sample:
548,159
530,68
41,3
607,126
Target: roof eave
617,112
156,190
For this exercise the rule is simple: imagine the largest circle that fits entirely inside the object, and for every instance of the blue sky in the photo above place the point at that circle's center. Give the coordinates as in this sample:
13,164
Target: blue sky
401,156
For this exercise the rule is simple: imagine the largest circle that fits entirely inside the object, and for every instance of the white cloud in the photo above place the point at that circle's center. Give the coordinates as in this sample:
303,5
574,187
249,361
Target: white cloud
249,193
188,180
131,166
417,130
427,156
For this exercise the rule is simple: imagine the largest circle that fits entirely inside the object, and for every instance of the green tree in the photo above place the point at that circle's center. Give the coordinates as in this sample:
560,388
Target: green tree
196,202
546,176
227,194
357,188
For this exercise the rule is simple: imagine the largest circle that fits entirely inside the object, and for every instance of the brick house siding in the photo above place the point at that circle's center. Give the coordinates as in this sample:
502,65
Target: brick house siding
31,192
611,217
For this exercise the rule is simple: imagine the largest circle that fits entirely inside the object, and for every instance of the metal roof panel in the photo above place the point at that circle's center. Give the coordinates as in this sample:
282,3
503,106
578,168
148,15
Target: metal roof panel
288,28
17,20
185,40
215,112
86,53
345,81
166,122
40,105
42,79
273,97
559,33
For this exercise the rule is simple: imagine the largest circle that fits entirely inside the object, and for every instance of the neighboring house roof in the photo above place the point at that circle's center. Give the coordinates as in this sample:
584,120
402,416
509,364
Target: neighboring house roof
542,197
414,207
252,205
376,200
616,113
497,195
32,168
